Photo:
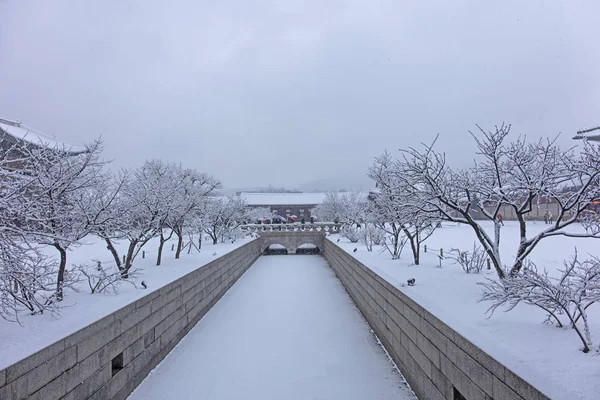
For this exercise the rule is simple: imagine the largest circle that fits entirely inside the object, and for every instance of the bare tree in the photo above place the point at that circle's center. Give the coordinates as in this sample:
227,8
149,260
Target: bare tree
221,216
190,193
471,261
344,208
397,205
508,174
570,295
60,187
139,211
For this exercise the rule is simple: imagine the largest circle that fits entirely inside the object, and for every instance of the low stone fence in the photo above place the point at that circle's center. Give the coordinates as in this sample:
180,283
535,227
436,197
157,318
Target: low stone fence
437,361
329,227
109,358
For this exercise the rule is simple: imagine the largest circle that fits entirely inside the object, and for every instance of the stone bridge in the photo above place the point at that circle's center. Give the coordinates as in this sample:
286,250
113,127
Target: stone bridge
292,236
291,240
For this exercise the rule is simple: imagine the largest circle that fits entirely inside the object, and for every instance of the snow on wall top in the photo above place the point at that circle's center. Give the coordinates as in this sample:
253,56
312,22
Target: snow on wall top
23,132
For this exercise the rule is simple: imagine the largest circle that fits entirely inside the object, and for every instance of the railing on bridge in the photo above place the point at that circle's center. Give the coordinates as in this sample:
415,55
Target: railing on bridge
328,227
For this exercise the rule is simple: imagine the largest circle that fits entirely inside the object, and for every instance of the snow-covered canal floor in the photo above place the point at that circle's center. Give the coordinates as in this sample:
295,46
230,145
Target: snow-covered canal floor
285,330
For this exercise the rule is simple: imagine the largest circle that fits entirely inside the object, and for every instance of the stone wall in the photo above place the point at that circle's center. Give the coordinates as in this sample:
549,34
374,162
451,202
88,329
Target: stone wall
109,358
437,362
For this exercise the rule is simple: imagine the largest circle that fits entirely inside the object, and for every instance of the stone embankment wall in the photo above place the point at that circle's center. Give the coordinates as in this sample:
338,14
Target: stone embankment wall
436,361
109,358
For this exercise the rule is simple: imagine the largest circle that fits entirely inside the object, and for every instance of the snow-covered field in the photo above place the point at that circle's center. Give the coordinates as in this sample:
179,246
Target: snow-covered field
285,330
82,308
548,357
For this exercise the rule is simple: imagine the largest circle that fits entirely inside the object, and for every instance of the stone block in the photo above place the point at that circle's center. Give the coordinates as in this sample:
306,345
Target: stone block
407,328
6,392
421,359
429,349
430,389
462,382
434,336
149,323
169,320
134,318
22,367
98,340
170,307
471,368
90,385
50,370
439,325
2,377
413,317
134,350
442,383
501,391
522,387
172,331
147,299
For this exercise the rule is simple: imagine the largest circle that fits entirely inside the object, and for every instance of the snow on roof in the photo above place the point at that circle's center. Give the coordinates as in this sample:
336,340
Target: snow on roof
268,199
589,134
23,132
265,199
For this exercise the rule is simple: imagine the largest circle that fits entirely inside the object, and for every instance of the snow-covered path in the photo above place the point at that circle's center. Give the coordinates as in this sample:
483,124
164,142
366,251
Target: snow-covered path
285,330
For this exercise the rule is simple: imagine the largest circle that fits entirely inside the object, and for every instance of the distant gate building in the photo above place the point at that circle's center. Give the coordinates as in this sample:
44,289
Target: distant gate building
285,204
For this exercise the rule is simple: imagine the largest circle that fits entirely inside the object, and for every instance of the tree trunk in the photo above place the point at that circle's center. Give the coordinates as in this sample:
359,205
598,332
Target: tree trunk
160,248
417,250
522,248
61,272
414,245
129,259
179,244
494,256
113,251
200,242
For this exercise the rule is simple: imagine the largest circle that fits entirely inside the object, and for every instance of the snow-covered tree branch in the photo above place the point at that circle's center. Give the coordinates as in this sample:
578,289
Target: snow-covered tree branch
510,174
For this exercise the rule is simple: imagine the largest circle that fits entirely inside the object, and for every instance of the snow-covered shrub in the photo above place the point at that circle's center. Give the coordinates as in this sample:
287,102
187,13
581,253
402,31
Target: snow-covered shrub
351,233
394,244
102,279
590,222
371,235
568,296
471,261
27,281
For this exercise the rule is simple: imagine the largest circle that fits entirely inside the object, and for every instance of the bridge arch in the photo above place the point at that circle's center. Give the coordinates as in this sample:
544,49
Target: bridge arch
266,242
291,240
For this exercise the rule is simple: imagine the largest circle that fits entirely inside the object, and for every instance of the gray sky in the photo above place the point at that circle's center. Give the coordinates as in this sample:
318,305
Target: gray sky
287,92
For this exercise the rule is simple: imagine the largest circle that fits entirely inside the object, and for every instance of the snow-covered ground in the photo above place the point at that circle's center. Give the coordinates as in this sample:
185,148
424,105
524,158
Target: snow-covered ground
548,357
285,330
82,308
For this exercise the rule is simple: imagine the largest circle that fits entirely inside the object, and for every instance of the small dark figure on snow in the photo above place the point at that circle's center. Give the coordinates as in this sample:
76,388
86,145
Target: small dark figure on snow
338,240
144,285
411,282
302,221
501,219
355,250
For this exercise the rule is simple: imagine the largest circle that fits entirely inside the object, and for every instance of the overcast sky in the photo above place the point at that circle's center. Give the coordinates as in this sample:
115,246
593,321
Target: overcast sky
286,92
